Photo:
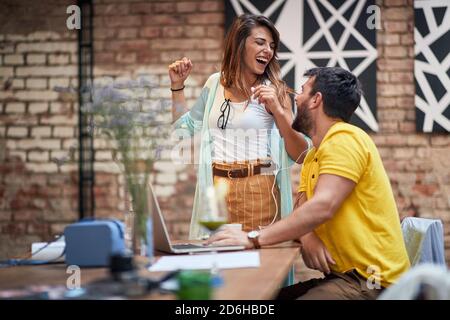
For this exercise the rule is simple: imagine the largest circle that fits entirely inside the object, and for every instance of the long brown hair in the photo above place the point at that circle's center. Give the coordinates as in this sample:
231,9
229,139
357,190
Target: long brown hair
232,63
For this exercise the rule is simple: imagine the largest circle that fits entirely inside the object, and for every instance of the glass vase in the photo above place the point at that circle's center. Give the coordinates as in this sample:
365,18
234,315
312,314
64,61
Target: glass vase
139,220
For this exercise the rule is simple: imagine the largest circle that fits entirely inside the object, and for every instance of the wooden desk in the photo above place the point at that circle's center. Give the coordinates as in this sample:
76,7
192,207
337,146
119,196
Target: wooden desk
241,284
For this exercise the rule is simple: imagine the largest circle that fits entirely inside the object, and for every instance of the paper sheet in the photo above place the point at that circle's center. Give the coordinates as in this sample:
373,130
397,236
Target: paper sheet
223,260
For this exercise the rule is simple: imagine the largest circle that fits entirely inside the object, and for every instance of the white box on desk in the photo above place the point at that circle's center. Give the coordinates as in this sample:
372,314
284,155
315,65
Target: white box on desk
53,250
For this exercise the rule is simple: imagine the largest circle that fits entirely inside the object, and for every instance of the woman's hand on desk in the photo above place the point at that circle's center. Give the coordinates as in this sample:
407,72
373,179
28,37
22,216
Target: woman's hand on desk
230,237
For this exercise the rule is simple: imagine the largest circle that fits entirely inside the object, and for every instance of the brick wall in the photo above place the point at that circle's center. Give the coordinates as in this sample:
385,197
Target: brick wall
131,37
37,124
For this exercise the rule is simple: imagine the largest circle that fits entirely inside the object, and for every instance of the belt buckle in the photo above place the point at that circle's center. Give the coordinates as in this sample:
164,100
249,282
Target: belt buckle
229,174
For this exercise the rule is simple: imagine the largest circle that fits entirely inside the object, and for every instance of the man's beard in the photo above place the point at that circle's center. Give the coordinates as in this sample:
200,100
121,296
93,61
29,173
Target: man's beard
303,122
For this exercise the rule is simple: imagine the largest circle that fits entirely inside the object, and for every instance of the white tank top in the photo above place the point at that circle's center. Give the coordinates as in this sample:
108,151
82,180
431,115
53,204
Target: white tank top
246,135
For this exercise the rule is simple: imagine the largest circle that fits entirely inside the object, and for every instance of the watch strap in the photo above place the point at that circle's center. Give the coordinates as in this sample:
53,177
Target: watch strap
255,241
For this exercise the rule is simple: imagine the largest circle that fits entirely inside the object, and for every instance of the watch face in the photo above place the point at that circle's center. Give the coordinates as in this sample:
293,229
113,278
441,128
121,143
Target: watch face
253,234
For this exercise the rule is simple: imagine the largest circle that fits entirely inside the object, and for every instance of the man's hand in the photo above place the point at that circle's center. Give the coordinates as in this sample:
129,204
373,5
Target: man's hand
267,95
230,237
315,254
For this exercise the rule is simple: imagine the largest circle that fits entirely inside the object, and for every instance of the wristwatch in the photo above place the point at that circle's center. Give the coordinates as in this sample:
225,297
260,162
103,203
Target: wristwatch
253,236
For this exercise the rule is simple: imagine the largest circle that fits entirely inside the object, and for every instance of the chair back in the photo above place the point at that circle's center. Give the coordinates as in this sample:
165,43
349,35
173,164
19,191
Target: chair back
424,240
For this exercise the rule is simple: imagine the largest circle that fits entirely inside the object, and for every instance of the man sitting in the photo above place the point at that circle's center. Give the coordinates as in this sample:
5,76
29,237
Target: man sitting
345,213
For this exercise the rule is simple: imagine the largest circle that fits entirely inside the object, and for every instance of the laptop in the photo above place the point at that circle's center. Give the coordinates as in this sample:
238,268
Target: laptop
161,236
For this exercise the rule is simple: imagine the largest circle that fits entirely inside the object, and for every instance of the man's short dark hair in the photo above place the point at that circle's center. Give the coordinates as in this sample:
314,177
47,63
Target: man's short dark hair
341,91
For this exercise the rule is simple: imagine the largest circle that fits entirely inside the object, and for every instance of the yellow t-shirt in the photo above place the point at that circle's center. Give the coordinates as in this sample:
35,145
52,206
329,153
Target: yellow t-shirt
365,233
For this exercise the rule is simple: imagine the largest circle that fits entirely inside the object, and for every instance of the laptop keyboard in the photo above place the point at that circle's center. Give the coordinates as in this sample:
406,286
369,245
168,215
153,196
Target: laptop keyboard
189,246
